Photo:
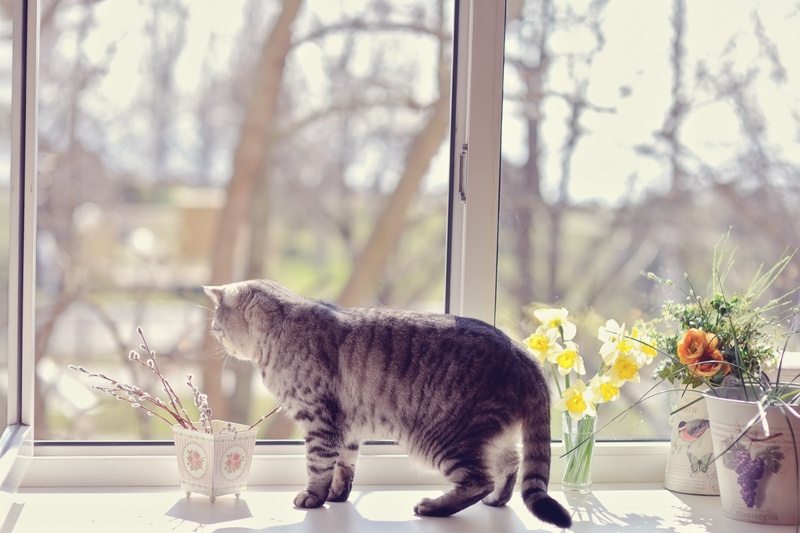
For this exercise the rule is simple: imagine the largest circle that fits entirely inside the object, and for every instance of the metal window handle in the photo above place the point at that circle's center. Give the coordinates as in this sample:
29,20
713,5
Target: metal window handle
462,174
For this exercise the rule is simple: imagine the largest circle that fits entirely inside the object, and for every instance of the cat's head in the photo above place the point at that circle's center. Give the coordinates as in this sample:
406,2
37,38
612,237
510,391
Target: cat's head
231,325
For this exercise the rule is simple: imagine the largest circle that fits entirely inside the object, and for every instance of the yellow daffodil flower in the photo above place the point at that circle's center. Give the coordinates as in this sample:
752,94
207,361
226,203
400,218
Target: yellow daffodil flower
543,343
604,389
568,360
625,368
555,319
578,401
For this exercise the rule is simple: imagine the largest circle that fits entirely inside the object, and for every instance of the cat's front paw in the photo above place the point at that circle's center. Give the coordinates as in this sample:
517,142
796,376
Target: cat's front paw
427,507
308,500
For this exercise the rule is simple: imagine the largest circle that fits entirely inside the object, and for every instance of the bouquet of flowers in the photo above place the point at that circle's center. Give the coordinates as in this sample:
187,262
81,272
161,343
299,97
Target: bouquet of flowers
623,353
170,411
721,337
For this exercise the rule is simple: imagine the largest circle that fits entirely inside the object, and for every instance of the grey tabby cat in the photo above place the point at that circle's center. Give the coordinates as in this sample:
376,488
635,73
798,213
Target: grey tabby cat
454,390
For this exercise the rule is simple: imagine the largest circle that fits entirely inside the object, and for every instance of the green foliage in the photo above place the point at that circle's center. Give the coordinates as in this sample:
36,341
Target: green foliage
747,334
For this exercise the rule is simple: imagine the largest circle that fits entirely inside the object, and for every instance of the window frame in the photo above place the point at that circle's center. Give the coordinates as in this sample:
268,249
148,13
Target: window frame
472,236
16,444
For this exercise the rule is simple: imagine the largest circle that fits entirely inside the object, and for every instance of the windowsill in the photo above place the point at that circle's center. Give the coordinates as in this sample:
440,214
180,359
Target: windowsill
609,508
120,491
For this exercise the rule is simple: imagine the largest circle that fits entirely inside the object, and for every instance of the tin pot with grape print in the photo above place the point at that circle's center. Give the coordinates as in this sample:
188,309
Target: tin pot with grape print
757,457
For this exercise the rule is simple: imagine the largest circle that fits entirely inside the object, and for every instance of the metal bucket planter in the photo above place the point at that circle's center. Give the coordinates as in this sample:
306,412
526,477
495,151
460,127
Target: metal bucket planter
758,476
214,463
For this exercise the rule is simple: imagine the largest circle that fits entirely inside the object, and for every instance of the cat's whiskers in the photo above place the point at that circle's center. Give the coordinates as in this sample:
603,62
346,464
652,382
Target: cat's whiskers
225,360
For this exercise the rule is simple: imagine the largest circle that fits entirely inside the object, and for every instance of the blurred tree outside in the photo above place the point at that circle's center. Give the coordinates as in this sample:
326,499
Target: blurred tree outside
185,143
635,135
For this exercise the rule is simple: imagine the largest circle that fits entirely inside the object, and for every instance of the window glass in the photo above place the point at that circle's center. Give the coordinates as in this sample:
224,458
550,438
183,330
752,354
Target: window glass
184,143
635,134
5,193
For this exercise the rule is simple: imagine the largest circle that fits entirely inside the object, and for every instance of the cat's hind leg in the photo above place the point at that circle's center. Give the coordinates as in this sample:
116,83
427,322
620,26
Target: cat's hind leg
343,473
472,484
505,477
502,457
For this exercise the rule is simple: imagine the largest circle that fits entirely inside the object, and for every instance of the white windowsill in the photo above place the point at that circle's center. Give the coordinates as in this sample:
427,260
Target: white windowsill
384,509
134,488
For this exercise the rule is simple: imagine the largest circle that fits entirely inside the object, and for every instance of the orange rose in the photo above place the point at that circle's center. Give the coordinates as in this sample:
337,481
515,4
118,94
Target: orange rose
698,351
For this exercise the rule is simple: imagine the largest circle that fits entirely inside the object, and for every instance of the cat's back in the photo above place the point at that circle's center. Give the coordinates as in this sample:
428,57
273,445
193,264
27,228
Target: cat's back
404,340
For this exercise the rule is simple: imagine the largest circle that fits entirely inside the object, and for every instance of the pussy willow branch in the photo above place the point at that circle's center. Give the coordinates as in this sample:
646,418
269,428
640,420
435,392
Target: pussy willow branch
133,395
176,402
138,405
277,409
137,397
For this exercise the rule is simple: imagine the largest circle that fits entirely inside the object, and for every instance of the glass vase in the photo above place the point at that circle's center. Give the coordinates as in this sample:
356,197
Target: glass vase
579,438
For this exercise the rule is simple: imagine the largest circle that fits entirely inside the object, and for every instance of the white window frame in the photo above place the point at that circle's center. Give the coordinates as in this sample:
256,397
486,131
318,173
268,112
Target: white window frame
16,446
471,271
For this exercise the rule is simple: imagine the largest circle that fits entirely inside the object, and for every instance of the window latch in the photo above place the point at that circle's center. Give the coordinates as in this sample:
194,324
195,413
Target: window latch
462,174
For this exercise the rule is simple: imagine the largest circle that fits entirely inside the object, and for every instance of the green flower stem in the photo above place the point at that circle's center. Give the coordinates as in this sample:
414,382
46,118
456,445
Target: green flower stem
555,378
579,446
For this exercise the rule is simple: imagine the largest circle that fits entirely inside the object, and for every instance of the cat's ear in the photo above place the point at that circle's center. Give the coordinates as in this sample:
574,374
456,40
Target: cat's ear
215,293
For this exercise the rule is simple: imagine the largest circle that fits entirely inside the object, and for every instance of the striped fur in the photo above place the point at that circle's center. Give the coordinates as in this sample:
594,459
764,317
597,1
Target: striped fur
454,390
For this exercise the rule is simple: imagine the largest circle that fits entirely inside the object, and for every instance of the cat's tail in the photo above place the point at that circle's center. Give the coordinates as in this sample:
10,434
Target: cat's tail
536,471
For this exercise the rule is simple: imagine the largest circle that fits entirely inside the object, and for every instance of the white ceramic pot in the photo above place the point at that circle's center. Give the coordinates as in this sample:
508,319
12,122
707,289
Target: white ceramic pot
215,463
690,465
758,475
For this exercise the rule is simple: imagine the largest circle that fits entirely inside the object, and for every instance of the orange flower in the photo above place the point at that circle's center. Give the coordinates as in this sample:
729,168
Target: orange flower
698,351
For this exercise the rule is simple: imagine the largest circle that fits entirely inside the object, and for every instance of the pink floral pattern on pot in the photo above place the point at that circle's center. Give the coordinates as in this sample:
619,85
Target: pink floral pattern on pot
234,461
194,460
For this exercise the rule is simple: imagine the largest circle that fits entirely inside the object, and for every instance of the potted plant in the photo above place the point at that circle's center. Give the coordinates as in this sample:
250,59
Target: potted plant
214,456
723,344
553,345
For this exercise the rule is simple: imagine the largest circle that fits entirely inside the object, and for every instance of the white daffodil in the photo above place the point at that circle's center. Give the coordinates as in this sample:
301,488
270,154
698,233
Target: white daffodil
568,360
578,401
642,342
615,343
557,319
543,343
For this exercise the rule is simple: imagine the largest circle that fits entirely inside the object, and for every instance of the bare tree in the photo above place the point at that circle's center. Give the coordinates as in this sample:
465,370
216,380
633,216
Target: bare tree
251,158
386,233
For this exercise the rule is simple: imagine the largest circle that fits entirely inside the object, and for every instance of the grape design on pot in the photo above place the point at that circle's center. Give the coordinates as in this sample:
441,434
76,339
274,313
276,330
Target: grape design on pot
752,466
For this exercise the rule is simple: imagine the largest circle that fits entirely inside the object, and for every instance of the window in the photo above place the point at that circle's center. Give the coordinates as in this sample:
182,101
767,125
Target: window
174,152
634,135
625,148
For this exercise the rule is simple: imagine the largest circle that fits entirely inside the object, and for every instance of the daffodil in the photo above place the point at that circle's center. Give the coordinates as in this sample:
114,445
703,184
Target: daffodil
604,389
623,355
615,342
543,343
625,367
568,360
577,401
557,319
642,342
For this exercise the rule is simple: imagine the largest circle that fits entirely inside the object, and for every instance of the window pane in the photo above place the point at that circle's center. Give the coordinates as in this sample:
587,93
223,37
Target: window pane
185,142
5,193
635,134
